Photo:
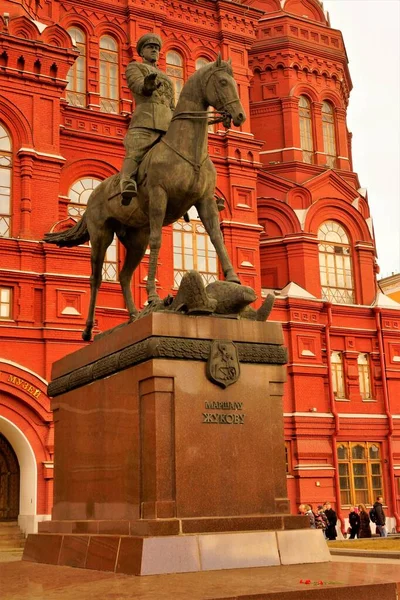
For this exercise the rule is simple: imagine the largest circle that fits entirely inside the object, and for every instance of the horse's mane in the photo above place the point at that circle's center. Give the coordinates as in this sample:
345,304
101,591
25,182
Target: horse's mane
198,75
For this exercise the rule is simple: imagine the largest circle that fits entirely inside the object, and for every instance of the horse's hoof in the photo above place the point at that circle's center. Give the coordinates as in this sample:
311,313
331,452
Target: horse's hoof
86,335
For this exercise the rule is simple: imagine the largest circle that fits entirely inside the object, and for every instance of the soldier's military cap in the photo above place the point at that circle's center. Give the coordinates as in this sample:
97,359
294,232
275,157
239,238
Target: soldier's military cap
146,39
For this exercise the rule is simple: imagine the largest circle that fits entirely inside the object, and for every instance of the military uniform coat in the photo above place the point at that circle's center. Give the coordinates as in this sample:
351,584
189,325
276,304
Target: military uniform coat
155,111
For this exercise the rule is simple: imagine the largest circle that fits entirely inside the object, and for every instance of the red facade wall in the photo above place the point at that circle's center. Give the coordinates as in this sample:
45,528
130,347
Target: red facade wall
278,53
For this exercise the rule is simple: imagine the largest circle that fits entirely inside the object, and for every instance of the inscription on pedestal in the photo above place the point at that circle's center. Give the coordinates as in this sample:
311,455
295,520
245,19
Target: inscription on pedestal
224,418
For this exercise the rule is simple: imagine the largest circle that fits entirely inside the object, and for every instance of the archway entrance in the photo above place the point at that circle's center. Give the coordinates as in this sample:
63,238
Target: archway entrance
9,482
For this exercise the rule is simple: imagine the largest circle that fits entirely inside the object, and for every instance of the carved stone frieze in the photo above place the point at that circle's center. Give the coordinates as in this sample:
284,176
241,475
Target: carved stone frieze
162,347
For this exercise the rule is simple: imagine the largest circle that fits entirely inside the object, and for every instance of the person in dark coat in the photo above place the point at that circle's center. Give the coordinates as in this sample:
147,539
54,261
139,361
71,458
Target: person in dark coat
380,518
332,520
354,523
365,527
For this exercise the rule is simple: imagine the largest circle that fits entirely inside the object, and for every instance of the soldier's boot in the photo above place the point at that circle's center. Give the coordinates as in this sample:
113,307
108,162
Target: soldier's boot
128,183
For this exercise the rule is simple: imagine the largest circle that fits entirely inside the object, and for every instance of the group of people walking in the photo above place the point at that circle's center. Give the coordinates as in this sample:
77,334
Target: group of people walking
324,518
360,519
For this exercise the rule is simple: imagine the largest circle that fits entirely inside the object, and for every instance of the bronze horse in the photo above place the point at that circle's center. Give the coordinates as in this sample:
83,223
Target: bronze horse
176,174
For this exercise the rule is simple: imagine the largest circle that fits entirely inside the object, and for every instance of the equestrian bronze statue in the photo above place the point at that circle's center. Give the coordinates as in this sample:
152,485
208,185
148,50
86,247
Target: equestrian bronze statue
176,174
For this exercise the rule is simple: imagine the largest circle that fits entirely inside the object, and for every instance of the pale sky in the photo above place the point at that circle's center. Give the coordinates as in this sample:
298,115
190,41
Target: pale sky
371,30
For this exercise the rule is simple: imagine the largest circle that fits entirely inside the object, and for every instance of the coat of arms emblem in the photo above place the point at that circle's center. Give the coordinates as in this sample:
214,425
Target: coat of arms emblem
223,363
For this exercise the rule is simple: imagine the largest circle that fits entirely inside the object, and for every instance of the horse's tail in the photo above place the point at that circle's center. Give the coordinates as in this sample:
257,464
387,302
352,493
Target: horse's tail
76,235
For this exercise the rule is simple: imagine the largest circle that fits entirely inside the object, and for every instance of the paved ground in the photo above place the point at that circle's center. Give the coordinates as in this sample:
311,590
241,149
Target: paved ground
11,555
21,580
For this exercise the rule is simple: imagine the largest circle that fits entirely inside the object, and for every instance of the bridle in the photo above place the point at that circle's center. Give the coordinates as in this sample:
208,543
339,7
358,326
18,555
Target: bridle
224,117
218,115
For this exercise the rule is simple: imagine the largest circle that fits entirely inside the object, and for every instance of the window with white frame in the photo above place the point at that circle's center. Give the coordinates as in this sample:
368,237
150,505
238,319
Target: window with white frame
5,303
79,194
306,129
5,182
76,87
337,375
329,134
364,376
335,264
175,71
193,250
108,74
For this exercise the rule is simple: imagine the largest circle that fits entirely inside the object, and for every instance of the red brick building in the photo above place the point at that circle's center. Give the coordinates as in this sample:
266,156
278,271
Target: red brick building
296,221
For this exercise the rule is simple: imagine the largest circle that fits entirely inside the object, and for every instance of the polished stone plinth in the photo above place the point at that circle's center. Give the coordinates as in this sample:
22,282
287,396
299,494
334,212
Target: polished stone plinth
149,447
135,555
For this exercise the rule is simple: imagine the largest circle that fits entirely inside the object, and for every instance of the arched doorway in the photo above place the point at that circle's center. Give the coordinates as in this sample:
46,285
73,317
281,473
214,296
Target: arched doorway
9,482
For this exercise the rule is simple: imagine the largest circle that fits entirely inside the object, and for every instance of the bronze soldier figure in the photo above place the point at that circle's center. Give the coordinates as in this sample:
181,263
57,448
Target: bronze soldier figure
153,92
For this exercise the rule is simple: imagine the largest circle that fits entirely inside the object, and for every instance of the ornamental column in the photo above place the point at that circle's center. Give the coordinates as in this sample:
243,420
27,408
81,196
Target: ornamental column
320,156
291,129
26,194
343,161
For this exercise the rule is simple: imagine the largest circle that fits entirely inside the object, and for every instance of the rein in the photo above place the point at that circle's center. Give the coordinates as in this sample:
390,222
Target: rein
203,114
196,166
211,116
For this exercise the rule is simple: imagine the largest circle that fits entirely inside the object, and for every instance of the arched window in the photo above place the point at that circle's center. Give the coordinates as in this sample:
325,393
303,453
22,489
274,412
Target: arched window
335,264
200,63
5,182
328,128
175,71
108,74
193,250
306,134
76,88
79,194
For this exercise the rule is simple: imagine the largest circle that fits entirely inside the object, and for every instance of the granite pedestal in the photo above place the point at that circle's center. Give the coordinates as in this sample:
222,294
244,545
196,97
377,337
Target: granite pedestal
158,469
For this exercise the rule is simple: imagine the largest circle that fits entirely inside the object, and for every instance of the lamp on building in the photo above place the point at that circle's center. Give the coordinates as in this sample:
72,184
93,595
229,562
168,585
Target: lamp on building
318,483
312,409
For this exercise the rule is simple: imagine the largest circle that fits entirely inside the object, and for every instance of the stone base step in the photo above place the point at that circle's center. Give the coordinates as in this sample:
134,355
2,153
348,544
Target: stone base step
13,543
11,535
138,555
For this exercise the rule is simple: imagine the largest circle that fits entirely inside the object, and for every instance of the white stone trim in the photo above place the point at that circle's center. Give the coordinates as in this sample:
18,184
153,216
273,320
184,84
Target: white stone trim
309,414
70,276
28,474
314,467
360,416
280,150
307,365
249,225
45,154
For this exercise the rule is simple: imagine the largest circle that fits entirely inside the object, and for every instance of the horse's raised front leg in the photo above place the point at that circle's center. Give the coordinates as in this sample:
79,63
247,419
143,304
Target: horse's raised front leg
157,207
208,213
135,242
100,240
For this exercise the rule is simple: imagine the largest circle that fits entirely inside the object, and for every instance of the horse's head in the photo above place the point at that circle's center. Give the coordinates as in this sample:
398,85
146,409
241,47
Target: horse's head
221,92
